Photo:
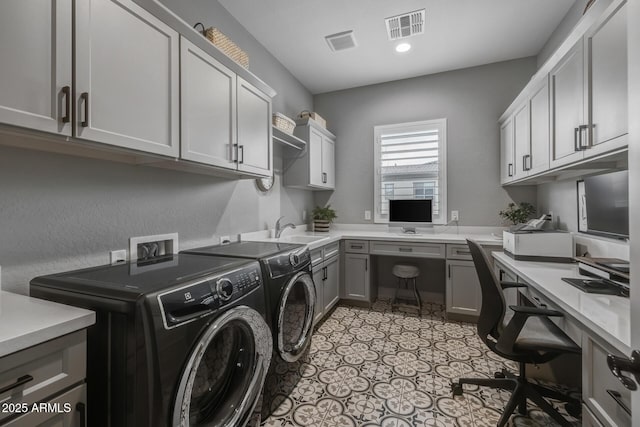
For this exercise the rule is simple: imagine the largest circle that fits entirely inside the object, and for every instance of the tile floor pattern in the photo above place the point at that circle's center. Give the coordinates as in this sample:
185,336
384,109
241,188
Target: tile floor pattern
375,367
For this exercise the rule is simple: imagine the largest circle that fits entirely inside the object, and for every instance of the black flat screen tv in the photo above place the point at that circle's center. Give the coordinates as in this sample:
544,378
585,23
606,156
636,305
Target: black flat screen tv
607,204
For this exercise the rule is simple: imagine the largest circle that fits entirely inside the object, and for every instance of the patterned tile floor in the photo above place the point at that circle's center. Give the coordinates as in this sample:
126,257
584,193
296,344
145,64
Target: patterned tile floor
375,367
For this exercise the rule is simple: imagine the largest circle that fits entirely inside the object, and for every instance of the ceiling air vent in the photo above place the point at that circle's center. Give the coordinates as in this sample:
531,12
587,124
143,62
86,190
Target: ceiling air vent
405,25
341,41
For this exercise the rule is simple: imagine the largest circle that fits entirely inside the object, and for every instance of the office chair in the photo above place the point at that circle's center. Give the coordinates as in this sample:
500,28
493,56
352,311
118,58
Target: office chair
521,334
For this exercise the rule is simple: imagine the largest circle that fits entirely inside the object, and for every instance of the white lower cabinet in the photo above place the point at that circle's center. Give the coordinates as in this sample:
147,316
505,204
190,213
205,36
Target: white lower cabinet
318,280
464,295
70,411
331,293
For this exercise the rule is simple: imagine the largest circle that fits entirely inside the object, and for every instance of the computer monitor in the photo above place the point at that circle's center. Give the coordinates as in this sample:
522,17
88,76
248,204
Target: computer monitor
607,204
410,214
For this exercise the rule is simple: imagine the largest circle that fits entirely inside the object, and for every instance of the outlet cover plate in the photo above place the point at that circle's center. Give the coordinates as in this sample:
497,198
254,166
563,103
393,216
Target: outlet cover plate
171,243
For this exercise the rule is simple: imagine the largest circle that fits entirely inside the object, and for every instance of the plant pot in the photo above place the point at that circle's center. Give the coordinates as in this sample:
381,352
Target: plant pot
321,225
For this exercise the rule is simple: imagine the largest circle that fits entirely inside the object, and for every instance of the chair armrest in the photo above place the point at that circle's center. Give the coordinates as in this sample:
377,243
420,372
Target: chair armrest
507,285
535,311
511,332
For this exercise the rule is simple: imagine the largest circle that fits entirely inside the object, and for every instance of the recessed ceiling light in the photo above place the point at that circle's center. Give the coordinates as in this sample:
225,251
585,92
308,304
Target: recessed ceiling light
403,47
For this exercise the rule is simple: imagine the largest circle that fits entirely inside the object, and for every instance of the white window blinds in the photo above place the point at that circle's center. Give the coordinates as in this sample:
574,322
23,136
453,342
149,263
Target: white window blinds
410,162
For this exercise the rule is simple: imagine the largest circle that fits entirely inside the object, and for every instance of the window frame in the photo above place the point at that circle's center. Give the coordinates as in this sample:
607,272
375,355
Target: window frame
378,131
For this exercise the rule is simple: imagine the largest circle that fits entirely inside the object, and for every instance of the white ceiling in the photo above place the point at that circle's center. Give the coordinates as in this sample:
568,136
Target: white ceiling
458,34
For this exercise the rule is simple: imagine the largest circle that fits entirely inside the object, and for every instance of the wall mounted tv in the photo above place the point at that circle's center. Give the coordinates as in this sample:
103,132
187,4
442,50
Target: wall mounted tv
607,204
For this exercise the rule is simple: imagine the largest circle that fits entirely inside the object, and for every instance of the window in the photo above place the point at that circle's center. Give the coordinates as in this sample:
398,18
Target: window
410,163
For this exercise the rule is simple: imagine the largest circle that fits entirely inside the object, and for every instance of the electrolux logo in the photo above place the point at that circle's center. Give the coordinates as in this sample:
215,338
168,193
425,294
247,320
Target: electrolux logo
187,296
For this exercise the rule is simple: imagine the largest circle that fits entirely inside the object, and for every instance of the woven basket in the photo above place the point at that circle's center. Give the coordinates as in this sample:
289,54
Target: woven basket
227,46
284,123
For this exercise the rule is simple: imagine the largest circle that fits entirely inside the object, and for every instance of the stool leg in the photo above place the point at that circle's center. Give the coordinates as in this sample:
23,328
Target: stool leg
395,294
417,294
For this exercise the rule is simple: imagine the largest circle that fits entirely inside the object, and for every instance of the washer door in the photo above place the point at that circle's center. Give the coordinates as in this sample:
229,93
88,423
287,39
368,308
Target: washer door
224,375
295,316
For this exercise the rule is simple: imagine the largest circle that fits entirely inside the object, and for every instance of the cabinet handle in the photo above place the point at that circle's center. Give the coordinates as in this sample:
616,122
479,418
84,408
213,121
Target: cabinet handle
526,162
405,249
501,275
324,273
356,246
20,381
80,407
66,92
366,264
510,169
241,154
85,98
583,146
324,177
463,252
615,395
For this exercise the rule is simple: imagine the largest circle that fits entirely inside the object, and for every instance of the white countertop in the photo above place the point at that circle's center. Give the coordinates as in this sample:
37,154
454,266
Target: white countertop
315,239
605,316
27,321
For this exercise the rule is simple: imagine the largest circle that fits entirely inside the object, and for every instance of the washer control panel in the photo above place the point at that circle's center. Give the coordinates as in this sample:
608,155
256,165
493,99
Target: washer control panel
203,297
288,262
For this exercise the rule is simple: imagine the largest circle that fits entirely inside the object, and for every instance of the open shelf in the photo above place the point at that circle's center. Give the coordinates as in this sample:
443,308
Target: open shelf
288,140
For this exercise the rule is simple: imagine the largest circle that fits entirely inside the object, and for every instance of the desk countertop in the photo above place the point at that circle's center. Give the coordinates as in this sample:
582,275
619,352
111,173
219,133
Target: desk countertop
27,321
605,316
339,234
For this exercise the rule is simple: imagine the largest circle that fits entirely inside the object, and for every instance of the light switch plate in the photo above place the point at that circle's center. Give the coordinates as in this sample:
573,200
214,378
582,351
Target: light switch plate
455,215
367,215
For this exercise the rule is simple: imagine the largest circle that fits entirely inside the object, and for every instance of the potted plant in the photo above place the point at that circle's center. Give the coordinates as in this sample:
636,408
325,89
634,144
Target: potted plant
519,213
322,218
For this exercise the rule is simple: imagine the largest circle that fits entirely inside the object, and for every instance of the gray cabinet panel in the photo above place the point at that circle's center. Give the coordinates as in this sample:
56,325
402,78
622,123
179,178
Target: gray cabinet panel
507,166
318,276
331,284
357,277
255,153
35,64
540,129
464,295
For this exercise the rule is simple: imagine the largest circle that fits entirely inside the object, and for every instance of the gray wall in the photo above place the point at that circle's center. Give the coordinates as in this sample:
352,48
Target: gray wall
472,100
62,212
561,199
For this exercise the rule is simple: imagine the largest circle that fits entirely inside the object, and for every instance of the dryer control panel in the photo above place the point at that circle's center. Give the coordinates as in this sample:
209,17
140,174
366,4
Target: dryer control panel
288,262
205,296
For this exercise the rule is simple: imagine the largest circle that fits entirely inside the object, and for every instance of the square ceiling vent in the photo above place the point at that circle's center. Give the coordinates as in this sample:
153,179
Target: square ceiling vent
405,25
341,41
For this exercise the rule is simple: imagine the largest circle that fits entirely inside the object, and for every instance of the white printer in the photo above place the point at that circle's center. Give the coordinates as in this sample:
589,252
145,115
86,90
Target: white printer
539,245
529,242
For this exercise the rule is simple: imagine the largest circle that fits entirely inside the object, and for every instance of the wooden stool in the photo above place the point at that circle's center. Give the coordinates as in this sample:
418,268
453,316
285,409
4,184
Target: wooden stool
408,273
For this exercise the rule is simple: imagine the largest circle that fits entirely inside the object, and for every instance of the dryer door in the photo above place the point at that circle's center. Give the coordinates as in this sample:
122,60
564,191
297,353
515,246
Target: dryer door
295,316
225,372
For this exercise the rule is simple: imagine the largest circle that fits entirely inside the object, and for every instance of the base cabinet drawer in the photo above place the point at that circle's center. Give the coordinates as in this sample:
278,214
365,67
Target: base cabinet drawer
67,410
603,393
421,250
356,246
34,374
588,419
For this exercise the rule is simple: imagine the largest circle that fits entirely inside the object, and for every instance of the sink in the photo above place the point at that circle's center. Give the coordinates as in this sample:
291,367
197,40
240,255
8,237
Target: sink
301,239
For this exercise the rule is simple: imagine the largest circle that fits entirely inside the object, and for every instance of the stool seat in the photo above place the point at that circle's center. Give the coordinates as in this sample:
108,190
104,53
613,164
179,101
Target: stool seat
405,271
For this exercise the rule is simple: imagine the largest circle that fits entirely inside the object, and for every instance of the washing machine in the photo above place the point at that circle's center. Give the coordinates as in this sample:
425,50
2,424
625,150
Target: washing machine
179,340
290,297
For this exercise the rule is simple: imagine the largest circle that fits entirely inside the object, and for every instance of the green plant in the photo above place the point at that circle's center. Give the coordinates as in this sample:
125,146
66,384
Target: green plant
518,214
325,214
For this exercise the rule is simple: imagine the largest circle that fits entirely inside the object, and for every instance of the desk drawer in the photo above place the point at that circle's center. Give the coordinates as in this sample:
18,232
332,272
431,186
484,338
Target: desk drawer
356,246
316,256
419,250
330,250
458,252
567,324
601,391
43,370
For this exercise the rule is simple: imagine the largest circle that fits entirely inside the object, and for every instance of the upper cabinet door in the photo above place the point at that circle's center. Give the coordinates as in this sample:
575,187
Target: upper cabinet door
35,64
208,100
315,158
255,154
607,71
540,130
522,142
506,151
328,163
127,81
569,128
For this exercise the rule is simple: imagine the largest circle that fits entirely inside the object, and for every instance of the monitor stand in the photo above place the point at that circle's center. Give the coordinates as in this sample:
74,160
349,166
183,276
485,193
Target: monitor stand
409,230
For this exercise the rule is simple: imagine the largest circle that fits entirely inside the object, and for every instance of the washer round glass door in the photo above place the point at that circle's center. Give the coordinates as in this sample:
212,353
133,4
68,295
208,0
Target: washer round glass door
224,374
295,316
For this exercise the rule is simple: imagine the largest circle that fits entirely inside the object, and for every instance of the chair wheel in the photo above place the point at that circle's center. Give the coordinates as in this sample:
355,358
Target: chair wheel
456,389
573,409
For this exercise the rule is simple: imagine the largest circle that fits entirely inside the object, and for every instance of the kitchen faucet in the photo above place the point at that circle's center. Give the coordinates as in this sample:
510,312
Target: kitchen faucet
280,229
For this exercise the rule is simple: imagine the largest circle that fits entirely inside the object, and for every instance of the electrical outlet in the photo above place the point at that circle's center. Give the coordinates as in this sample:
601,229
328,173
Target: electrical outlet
455,215
225,240
367,215
118,256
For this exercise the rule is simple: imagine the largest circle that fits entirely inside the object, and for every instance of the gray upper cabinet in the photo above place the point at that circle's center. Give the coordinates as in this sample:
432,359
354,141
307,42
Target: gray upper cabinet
567,89
606,50
538,161
35,64
254,144
208,101
127,81
314,168
521,142
506,151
